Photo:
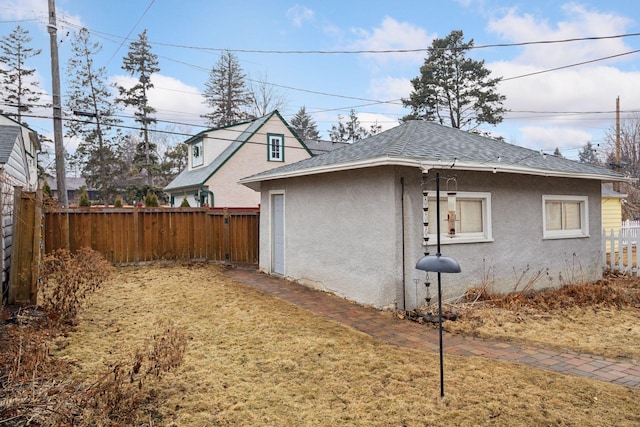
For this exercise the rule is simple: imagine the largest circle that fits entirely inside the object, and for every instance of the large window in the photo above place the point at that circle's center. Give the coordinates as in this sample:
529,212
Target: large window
565,217
472,221
197,155
275,147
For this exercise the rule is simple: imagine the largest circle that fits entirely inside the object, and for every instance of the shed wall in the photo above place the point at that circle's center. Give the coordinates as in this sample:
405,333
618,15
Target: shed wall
518,253
341,234
359,234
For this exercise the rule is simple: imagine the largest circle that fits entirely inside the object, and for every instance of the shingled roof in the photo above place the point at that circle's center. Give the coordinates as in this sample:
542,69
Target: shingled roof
8,136
428,145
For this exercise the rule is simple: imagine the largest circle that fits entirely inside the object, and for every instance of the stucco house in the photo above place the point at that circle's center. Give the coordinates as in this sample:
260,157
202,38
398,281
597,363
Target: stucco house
356,220
219,157
19,146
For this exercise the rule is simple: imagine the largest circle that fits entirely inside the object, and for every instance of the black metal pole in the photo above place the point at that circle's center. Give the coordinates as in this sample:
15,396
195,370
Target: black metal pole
439,286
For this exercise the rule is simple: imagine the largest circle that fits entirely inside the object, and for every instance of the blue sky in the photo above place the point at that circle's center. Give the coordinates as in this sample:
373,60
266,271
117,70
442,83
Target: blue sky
188,36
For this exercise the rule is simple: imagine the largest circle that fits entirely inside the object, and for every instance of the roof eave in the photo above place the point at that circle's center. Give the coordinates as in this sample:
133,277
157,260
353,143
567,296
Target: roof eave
254,182
497,167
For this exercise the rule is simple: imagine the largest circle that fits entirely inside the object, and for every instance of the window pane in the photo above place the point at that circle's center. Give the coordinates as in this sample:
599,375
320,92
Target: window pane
572,216
274,148
553,215
469,216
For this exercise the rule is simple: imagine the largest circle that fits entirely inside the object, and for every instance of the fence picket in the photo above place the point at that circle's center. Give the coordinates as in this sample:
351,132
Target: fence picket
620,251
132,235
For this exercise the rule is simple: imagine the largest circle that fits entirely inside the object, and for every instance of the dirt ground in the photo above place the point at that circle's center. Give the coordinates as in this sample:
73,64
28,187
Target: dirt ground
252,359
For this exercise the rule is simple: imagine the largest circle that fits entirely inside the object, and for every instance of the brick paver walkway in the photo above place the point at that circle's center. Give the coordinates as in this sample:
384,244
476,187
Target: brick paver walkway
384,326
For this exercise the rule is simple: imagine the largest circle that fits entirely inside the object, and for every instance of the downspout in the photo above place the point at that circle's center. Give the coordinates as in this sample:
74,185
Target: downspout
404,290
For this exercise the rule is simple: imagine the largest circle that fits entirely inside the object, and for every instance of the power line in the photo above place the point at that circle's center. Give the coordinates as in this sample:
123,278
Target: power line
386,51
570,66
130,31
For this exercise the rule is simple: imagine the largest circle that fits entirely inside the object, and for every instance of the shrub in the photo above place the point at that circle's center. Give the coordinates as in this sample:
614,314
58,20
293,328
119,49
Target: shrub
116,398
151,200
68,278
185,203
46,189
84,198
117,203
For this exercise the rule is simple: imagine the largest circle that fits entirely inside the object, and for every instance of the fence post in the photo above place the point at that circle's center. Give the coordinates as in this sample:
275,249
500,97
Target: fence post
227,237
25,257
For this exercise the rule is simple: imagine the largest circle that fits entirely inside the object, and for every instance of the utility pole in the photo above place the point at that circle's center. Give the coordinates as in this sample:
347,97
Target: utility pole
616,185
57,107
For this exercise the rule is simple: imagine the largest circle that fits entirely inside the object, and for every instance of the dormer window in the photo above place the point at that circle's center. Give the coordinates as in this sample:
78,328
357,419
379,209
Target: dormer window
197,155
275,147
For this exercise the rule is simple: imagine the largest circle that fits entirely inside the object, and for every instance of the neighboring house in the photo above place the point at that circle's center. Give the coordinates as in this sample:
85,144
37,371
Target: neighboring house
218,158
356,220
74,189
19,148
611,209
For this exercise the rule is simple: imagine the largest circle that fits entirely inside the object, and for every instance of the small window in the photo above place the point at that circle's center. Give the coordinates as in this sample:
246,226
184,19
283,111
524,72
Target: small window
565,217
197,156
472,222
275,147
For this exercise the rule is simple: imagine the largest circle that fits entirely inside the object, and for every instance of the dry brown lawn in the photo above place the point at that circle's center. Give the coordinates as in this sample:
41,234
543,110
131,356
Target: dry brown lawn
252,359
601,319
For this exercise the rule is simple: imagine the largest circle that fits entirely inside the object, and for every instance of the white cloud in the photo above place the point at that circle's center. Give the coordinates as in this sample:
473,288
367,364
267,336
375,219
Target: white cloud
580,22
370,119
550,138
584,88
299,14
390,88
173,99
39,10
393,35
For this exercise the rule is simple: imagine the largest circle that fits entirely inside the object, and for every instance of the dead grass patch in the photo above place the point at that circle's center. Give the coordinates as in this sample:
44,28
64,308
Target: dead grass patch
252,359
600,318
245,358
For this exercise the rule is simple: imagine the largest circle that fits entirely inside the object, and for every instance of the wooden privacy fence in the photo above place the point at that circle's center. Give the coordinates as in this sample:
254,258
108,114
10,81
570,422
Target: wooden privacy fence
26,251
131,235
619,251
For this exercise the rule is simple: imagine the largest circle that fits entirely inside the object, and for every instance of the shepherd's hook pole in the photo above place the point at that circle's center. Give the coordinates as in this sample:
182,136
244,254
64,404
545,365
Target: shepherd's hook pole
439,286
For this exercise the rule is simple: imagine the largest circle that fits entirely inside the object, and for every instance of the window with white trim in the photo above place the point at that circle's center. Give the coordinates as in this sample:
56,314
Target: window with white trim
472,222
275,147
565,217
197,155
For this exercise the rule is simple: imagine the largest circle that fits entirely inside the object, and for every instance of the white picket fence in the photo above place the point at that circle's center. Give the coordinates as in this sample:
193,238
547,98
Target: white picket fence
619,252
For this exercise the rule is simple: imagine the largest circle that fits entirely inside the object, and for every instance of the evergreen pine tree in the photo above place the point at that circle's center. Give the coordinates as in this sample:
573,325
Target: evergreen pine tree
351,130
140,62
454,90
588,155
304,125
226,93
18,90
84,198
91,101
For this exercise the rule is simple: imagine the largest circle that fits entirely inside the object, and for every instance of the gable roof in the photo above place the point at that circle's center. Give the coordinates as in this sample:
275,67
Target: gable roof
33,135
428,145
8,136
196,177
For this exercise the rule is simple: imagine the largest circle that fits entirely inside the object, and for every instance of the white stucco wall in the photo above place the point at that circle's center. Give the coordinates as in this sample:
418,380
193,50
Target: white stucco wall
343,233
340,234
518,251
